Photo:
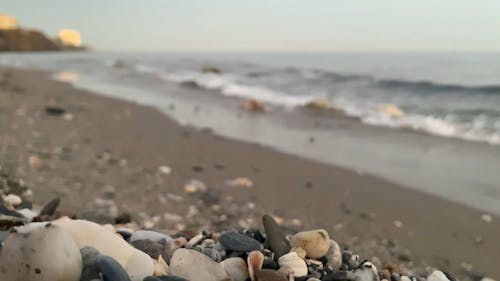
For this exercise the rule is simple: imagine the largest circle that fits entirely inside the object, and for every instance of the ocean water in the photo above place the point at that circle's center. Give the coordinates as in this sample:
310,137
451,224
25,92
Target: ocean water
449,95
432,121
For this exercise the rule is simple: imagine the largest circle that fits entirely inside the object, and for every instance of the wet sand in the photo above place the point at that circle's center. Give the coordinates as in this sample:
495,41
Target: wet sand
102,142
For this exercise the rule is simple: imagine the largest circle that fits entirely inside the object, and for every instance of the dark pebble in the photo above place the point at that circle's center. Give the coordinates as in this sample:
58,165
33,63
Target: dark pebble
270,264
197,168
25,205
153,249
448,275
7,212
54,110
110,269
219,166
125,234
239,242
337,275
255,234
89,267
275,237
50,208
123,218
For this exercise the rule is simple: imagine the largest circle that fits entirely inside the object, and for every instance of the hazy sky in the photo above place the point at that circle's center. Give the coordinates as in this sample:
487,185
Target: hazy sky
270,25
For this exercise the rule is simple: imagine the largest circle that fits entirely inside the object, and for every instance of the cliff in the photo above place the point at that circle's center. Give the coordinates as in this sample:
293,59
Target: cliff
22,40
16,39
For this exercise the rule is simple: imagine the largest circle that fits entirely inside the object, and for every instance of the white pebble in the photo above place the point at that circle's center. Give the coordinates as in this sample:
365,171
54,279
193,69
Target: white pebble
165,170
398,224
486,218
12,200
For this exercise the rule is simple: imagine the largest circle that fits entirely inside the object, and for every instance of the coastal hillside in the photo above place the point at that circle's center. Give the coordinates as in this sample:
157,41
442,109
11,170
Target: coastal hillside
14,38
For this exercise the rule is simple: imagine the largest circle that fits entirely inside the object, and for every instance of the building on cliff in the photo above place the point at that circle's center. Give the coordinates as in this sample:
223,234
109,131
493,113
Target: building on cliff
8,22
70,38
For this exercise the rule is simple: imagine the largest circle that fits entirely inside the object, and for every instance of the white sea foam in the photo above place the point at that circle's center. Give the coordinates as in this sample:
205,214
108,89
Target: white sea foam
228,86
444,127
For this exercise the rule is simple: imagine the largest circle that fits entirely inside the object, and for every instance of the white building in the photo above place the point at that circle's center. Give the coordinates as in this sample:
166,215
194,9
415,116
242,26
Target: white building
8,22
69,37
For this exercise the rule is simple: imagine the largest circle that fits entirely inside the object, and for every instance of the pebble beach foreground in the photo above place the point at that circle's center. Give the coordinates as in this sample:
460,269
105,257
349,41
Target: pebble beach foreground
61,142
45,245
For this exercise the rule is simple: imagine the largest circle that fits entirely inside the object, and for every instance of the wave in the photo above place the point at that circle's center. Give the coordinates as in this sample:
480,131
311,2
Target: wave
431,87
452,123
479,129
228,86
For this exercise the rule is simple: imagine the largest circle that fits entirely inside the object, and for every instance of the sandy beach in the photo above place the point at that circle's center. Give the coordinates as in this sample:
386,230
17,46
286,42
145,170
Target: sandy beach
100,145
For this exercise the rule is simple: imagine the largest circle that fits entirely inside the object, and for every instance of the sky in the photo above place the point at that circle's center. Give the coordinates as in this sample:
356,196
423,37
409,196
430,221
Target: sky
270,25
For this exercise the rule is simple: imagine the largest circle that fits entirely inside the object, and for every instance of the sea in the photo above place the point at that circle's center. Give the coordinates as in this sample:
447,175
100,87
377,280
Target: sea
429,121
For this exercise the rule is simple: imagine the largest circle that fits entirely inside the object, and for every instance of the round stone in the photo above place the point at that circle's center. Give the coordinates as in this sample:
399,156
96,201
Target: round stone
239,242
110,269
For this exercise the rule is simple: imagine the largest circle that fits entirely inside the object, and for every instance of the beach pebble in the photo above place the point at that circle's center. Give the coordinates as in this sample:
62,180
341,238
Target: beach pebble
255,261
486,218
239,242
398,224
89,268
150,235
301,253
438,276
85,233
240,182
275,237
334,255
487,279
110,269
164,278
206,269
315,242
11,200
292,263
153,249
165,170
34,162
236,268
193,186
213,254
49,245
50,208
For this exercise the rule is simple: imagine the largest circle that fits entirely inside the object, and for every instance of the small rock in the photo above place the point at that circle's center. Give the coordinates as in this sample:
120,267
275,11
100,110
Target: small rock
206,269
48,245
165,170
12,200
239,242
68,117
236,268
275,237
89,268
193,186
50,208
197,168
240,182
123,218
334,255
35,162
437,276
150,235
213,254
315,242
486,218
398,224
54,110
110,269
292,263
